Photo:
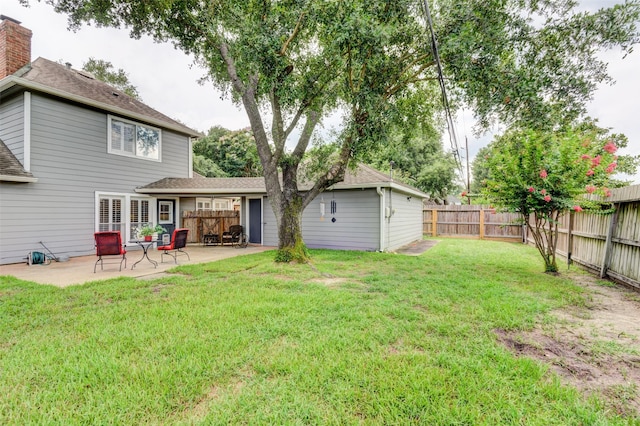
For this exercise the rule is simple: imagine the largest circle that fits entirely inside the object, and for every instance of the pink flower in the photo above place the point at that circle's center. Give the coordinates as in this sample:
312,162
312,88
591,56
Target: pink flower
610,147
585,157
464,194
547,198
611,167
607,192
543,191
590,189
595,161
590,172
577,208
531,189
543,174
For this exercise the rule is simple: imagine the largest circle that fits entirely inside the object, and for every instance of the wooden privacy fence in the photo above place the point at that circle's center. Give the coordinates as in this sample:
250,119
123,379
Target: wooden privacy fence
471,222
203,222
607,244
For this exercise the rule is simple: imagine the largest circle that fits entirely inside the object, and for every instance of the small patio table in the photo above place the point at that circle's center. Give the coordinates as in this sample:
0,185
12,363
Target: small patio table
145,251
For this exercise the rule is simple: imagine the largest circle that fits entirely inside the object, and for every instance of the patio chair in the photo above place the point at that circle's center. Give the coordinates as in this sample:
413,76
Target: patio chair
178,242
109,243
235,236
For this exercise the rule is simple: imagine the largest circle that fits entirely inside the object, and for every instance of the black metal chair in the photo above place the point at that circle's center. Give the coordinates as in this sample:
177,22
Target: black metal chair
235,236
178,242
109,243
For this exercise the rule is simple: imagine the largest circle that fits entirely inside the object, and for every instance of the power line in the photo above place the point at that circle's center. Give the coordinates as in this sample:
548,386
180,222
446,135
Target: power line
445,100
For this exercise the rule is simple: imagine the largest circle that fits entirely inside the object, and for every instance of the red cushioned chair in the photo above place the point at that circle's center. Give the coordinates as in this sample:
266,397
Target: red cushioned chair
178,242
109,243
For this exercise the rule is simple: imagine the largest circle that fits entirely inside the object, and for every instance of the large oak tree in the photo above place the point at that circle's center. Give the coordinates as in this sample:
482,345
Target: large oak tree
291,63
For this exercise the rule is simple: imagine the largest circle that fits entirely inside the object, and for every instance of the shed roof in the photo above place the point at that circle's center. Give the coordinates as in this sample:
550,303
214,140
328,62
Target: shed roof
59,80
362,177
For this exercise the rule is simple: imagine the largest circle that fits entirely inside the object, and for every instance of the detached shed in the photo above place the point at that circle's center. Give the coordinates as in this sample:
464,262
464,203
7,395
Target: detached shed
367,211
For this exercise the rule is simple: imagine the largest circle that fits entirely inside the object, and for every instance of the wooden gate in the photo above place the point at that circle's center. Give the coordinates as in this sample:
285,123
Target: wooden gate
203,222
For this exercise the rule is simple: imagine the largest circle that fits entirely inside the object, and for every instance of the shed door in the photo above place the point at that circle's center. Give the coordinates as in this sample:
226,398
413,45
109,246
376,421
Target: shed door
255,220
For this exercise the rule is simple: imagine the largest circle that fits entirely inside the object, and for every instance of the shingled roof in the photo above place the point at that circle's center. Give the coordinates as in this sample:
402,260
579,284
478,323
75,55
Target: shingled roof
79,86
362,177
11,170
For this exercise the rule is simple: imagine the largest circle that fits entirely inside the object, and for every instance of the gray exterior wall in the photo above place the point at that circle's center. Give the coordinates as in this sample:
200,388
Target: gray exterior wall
11,125
405,224
70,160
356,226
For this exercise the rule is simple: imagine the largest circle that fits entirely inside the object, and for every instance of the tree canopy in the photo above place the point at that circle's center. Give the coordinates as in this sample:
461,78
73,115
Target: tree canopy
227,153
418,159
290,63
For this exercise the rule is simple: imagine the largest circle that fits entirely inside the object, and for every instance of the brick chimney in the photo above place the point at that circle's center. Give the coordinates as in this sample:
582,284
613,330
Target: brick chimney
15,46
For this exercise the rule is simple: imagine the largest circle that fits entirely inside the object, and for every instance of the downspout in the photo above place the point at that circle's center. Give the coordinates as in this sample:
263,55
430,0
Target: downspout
382,217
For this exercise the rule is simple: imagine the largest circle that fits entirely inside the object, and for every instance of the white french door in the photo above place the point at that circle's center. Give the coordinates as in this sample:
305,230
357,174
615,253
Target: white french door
125,213
139,215
111,214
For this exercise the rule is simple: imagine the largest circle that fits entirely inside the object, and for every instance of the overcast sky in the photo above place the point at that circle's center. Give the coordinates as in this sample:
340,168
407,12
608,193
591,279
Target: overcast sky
167,80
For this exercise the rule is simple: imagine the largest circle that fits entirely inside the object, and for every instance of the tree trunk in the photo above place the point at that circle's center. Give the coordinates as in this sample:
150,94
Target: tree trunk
291,204
291,246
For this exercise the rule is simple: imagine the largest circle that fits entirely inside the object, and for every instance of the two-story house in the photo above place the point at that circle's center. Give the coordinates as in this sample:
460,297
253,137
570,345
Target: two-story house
72,152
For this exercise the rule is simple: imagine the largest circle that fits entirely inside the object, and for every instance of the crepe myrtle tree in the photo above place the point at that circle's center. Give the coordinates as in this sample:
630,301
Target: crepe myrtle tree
291,64
543,175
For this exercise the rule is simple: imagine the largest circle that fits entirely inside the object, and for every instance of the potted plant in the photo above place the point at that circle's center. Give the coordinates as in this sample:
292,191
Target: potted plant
147,231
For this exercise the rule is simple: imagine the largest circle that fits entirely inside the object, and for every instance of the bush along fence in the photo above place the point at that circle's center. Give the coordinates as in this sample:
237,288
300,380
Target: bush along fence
606,244
471,221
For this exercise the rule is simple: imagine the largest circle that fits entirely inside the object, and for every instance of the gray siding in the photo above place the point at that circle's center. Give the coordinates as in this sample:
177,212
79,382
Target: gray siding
269,225
69,157
405,224
12,125
356,226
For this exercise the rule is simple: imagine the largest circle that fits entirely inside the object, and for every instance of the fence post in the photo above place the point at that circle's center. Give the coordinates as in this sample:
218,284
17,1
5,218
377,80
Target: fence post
570,238
608,246
434,222
481,223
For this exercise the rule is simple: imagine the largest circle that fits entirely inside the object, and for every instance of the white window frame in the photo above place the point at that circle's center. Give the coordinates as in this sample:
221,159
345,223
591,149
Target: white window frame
222,204
134,154
170,205
207,204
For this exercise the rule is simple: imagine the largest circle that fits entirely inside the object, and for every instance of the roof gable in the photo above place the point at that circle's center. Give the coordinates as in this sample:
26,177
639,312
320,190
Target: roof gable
50,77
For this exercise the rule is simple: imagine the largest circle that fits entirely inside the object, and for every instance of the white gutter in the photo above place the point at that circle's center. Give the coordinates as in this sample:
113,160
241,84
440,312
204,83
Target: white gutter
403,189
11,178
382,218
206,191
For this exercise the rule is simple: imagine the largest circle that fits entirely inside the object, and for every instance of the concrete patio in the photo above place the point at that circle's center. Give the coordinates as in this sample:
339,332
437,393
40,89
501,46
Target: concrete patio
79,270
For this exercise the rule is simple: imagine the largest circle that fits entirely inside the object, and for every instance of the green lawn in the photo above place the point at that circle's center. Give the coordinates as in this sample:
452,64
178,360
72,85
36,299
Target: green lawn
359,338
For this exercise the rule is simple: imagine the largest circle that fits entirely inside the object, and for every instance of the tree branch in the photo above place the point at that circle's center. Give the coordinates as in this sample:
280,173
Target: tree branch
279,137
236,82
313,117
293,35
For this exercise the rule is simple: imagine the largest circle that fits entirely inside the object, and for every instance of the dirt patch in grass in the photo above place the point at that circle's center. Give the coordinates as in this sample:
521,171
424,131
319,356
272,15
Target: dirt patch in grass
595,347
416,248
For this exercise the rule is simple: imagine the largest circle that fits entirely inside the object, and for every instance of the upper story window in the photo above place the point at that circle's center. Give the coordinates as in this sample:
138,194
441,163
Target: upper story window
134,139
